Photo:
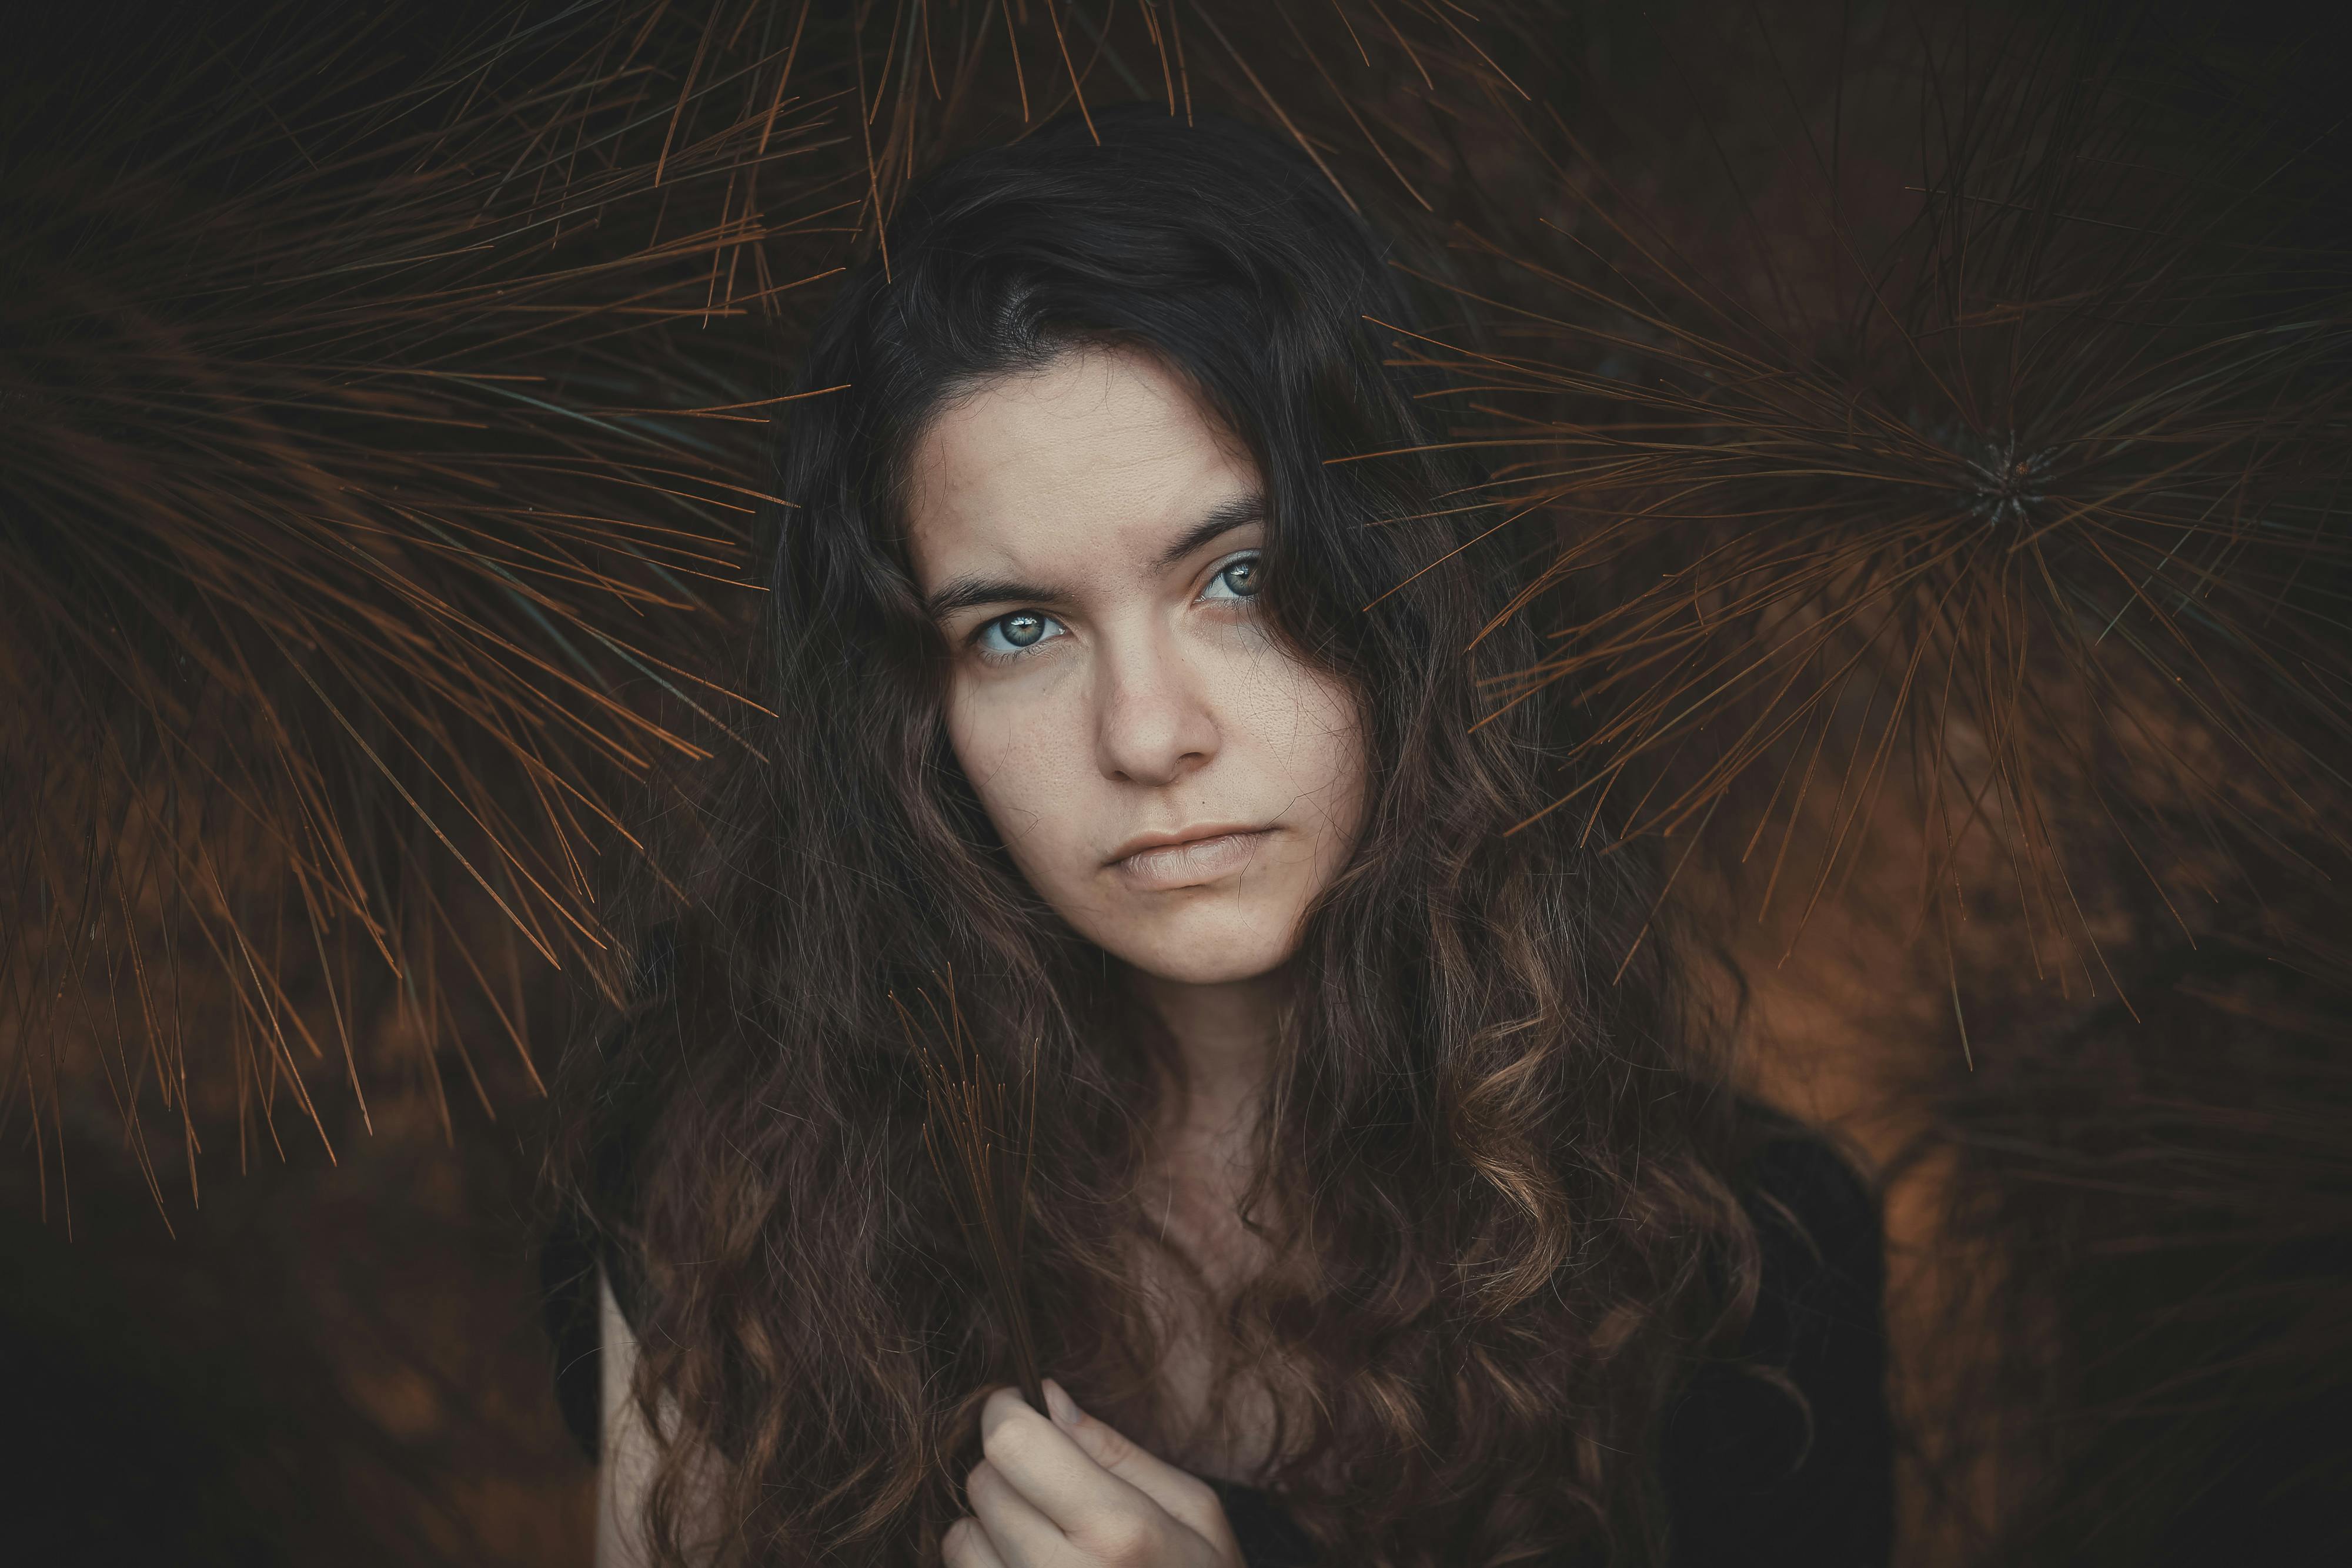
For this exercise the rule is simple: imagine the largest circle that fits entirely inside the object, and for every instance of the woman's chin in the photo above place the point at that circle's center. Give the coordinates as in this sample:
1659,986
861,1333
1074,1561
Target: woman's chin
1194,951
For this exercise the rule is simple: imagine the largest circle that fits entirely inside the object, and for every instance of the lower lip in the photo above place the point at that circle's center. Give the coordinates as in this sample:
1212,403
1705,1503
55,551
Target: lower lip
1188,866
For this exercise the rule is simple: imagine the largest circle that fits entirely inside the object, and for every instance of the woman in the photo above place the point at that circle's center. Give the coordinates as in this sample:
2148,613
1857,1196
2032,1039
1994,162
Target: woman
1127,642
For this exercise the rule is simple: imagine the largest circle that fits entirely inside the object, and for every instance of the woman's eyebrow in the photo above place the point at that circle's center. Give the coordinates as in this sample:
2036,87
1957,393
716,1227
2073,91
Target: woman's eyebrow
964,593
1223,519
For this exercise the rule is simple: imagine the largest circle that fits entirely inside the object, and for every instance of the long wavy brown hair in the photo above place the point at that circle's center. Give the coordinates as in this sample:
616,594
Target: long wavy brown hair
1495,1122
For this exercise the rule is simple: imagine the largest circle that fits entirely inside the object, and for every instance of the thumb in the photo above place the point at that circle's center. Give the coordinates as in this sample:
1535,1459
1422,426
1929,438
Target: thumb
1190,1500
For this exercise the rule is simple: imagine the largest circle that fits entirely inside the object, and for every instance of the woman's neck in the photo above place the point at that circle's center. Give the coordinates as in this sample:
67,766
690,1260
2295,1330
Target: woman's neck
1224,1036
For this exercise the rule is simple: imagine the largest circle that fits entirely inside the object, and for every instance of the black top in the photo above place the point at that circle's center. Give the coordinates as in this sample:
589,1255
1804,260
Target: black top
1744,1485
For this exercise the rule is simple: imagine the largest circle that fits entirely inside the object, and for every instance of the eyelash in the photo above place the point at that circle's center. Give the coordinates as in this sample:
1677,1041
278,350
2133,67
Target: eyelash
981,630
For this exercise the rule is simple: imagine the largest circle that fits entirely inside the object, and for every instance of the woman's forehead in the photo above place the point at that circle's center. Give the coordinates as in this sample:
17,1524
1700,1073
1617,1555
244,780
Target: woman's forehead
1102,449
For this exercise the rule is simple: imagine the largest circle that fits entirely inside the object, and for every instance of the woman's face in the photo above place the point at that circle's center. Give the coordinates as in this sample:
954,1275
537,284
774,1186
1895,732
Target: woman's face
1176,785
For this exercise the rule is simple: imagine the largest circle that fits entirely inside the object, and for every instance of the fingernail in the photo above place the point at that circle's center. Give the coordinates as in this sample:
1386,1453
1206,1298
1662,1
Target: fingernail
1058,1401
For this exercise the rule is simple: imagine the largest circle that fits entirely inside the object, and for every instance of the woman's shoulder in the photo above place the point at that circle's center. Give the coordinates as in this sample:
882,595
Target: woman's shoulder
573,1257
568,1301
1817,1222
1783,1453
580,1244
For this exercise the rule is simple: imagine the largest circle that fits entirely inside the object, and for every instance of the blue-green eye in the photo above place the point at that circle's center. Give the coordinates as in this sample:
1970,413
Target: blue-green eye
1242,576
1009,634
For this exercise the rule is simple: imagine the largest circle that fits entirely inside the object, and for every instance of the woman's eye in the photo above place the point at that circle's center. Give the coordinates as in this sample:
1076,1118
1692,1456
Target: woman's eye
1241,578
1009,634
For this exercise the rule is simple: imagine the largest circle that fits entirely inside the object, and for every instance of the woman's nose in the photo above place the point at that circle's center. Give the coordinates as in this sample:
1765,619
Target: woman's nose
1152,721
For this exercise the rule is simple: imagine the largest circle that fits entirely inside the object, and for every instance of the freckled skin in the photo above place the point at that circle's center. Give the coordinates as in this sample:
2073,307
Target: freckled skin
1147,699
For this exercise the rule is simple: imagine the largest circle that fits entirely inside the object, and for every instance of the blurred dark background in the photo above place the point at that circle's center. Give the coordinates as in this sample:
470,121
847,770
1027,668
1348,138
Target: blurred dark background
323,1362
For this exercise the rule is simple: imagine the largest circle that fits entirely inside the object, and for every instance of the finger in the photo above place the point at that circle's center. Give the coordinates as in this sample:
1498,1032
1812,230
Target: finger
1018,1532
1047,1466
966,1545
1185,1497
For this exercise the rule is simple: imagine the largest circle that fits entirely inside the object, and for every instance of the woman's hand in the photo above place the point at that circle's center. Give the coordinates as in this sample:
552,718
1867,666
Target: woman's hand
1072,1493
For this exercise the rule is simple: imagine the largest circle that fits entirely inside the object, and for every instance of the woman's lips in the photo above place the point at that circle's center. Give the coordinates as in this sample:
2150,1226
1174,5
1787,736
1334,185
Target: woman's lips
1189,864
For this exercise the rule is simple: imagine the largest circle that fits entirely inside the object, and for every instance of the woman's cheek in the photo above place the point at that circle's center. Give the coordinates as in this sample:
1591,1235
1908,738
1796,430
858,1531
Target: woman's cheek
984,731
1350,759
1315,729
1018,767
